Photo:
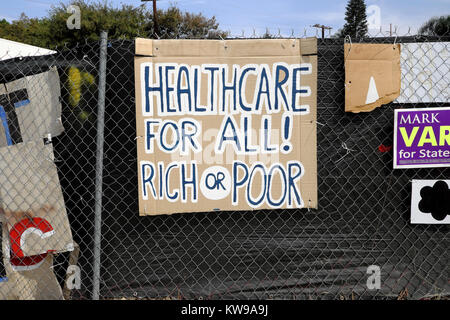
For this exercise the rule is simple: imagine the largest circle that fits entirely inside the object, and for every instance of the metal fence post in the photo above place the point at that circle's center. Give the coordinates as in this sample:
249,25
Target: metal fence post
99,164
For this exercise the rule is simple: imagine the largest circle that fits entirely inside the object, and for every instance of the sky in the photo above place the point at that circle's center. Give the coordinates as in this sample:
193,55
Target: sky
287,17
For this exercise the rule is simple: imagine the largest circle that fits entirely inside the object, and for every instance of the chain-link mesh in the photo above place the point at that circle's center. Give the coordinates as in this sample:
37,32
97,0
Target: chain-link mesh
362,220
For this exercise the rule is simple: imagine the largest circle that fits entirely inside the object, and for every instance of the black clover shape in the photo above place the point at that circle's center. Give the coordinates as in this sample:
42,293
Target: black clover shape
436,200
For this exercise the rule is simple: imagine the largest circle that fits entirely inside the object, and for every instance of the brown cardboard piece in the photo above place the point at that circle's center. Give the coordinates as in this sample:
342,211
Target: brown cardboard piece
372,75
40,115
37,283
228,54
31,200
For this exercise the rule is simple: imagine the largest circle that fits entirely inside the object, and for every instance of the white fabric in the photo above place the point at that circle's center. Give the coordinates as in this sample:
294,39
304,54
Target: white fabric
12,49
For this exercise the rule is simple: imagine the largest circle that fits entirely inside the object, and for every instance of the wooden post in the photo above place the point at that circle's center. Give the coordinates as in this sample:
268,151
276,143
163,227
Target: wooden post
155,18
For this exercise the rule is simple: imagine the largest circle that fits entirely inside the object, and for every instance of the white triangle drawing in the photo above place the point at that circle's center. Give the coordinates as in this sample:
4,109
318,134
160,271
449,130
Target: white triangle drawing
372,93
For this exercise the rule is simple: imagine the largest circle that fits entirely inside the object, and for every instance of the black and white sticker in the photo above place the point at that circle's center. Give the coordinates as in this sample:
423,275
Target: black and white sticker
430,202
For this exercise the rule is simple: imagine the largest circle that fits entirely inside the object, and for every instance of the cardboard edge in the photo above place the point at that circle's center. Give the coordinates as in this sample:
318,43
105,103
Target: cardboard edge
143,47
372,106
308,46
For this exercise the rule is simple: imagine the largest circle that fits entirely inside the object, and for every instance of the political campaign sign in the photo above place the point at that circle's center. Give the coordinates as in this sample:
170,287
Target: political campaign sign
226,124
422,138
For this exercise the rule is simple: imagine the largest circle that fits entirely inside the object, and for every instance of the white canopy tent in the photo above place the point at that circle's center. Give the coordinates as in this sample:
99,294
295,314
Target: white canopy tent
12,49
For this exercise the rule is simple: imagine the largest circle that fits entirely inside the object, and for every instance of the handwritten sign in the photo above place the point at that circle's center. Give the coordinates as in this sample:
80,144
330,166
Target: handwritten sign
226,125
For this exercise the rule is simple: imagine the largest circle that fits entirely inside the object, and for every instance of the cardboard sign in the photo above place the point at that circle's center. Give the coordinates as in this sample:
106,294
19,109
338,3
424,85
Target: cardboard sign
372,75
430,202
32,202
36,282
422,138
30,108
425,72
226,125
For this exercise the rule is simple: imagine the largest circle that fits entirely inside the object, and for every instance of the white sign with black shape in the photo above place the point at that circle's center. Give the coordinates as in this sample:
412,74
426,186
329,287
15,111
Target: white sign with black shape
430,202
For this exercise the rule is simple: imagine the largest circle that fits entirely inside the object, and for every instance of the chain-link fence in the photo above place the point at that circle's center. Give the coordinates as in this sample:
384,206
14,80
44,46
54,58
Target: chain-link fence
362,219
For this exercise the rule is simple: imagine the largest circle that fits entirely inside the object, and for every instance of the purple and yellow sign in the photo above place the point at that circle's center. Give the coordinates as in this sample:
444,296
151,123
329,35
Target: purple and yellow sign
422,138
